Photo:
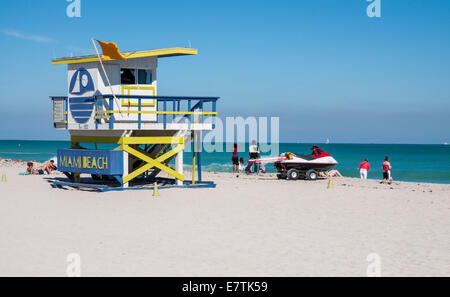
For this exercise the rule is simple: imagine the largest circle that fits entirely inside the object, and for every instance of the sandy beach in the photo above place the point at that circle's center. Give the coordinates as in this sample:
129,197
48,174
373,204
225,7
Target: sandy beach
247,226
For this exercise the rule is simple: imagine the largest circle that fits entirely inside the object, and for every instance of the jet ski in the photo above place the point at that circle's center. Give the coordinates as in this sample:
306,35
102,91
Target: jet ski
295,166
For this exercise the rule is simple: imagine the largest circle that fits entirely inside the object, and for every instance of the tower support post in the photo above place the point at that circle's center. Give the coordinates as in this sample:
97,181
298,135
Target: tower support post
125,167
179,166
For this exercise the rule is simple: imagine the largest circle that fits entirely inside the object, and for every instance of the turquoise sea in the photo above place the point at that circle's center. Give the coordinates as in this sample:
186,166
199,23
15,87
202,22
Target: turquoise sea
418,163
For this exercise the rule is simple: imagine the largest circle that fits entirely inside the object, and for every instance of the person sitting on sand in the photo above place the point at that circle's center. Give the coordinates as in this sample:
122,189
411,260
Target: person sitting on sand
48,167
30,169
364,168
386,170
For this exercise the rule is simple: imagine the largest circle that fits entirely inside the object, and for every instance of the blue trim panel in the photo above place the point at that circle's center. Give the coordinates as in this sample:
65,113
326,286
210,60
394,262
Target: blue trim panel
86,106
81,113
81,100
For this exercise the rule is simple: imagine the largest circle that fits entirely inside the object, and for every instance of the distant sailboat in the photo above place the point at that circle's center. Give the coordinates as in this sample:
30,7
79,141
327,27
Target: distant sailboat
327,141
445,143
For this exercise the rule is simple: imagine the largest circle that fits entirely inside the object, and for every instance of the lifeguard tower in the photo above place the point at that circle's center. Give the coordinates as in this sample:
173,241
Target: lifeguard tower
114,104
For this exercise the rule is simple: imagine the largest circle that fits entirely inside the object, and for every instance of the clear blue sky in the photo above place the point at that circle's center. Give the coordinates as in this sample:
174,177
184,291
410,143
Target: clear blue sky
322,66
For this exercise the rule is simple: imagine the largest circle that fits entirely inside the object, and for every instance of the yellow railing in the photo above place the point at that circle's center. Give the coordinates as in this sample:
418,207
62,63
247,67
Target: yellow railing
205,113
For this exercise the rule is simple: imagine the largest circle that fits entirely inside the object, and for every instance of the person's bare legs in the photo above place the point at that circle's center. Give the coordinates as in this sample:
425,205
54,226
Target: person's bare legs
47,168
44,168
334,173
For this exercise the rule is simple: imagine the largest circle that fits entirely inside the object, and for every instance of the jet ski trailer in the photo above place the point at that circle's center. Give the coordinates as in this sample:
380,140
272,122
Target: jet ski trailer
296,166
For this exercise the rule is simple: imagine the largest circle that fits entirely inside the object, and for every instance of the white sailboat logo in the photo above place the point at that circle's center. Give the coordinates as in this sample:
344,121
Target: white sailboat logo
76,87
81,101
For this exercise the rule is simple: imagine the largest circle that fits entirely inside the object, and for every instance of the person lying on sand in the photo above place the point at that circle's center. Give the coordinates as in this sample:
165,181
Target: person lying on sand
30,169
334,173
48,167
331,173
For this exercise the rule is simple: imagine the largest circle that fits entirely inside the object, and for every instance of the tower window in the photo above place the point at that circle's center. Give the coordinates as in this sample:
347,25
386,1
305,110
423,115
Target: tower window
127,76
144,77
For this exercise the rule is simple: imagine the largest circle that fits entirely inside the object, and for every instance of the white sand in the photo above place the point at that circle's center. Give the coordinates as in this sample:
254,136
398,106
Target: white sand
251,226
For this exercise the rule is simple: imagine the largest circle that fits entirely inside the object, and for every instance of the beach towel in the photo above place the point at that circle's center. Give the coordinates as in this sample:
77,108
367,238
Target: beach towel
29,174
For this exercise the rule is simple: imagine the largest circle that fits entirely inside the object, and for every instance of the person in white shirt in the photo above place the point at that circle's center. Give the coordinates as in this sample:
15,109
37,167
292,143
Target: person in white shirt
254,154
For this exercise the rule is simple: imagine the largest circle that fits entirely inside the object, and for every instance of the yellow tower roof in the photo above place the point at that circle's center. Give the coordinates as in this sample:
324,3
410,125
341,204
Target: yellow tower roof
160,53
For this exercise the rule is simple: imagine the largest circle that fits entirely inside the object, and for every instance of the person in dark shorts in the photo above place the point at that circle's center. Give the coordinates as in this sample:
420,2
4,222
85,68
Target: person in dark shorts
254,154
235,159
387,170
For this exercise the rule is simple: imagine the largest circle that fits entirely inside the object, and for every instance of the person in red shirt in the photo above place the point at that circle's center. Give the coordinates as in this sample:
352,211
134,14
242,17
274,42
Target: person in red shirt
364,168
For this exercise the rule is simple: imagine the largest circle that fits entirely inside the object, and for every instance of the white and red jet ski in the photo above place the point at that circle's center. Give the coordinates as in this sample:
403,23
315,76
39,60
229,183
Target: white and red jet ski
294,166
305,166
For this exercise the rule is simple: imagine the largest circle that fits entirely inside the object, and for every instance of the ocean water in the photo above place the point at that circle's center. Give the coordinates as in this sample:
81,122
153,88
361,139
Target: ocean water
410,162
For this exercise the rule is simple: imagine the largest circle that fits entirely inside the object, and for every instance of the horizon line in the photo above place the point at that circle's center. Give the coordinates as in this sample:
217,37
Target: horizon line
288,142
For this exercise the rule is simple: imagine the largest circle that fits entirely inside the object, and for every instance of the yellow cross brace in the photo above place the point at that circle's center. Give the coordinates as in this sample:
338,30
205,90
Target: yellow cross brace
124,143
158,163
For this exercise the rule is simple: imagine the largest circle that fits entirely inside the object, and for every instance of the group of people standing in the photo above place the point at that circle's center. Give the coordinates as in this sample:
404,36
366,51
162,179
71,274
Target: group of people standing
238,163
364,168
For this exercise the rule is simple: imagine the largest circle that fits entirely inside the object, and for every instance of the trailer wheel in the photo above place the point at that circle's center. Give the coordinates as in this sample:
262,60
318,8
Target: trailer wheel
312,174
293,174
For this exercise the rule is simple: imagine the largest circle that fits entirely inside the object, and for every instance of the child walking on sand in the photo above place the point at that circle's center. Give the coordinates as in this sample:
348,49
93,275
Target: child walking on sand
387,170
241,166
